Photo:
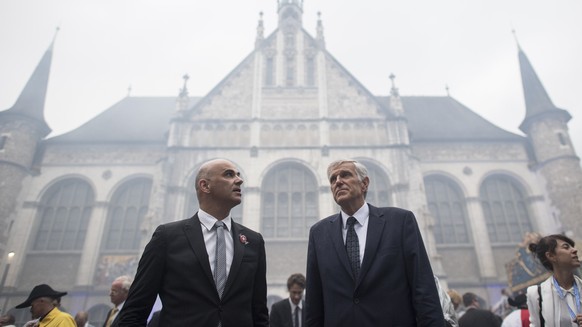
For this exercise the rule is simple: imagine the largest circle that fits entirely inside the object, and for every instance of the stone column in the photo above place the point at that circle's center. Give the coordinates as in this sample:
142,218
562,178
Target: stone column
480,235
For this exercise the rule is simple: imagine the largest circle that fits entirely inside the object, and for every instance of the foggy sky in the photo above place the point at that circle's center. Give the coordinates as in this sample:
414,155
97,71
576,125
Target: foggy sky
105,46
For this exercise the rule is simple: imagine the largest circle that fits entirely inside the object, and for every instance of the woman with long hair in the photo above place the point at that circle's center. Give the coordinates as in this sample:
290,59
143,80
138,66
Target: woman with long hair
556,301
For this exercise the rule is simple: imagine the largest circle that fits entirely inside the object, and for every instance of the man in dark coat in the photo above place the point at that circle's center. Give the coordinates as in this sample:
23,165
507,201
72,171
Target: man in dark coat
207,269
368,266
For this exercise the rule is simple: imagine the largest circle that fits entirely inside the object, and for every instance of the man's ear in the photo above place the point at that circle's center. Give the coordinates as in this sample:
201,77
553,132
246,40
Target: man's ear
203,185
366,183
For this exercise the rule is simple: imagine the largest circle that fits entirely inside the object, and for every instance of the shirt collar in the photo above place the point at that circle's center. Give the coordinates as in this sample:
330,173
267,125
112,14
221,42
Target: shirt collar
361,215
300,305
208,220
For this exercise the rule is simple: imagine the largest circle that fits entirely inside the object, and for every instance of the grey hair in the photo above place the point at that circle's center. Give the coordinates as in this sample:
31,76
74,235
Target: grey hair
361,170
125,280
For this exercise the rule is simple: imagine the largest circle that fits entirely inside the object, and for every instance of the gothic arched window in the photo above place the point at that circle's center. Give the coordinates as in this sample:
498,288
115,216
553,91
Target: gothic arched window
64,213
447,205
289,202
127,210
505,209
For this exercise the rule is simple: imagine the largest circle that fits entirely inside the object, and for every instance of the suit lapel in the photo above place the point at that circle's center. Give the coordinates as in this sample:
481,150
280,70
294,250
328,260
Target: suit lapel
373,237
239,251
193,233
288,315
338,242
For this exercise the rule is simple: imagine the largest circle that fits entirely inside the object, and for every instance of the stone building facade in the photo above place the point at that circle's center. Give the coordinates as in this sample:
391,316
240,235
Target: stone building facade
79,207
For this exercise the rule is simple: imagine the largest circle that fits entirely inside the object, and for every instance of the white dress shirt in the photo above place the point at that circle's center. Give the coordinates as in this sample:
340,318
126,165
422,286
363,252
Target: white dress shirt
207,224
293,306
361,227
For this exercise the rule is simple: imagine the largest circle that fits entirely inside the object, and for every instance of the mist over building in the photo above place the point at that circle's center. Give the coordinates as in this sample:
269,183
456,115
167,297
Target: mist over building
78,208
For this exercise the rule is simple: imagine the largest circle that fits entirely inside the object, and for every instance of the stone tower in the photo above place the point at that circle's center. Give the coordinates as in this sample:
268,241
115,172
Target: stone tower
22,127
554,158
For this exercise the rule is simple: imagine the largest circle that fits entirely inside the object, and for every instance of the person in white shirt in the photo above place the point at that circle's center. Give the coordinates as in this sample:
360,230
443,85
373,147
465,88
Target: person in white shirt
289,312
556,301
519,317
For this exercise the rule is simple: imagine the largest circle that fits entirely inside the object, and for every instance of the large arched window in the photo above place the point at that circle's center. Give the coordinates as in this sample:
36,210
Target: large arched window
379,189
65,210
127,209
505,209
289,202
447,205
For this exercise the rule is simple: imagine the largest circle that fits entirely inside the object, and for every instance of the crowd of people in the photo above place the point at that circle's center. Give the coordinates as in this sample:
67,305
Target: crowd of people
366,266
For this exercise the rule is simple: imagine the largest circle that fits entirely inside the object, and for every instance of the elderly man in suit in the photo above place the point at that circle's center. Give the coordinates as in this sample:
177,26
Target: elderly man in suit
208,270
367,266
290,312
117,294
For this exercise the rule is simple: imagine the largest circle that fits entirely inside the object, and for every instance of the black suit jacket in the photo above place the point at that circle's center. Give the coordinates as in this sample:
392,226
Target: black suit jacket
479,318
107,317
175,265
395,286
280,315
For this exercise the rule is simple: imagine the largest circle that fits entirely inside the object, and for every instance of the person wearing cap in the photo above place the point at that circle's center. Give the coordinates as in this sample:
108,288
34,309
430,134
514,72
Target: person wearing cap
520,317
42,307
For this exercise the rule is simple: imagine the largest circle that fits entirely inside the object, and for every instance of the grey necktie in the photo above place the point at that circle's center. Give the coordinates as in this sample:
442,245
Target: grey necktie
220,263
353,247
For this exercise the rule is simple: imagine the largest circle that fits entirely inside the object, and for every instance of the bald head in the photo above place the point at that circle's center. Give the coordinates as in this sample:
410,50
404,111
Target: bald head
218,187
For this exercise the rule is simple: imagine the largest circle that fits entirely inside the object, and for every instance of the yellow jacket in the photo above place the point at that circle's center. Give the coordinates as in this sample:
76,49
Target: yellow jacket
57,318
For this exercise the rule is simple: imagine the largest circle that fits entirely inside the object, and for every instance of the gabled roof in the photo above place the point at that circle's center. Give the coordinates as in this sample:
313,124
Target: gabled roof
133,119
442,118
146,120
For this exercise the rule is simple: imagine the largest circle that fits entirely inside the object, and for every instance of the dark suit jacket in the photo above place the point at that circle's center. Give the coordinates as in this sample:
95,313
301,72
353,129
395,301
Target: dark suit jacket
280,315
175,265
479,318
107,318
395,287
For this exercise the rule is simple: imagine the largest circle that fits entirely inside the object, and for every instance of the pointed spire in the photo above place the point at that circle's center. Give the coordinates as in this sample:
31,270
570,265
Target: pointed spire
395,100
537,101
184,90
394,89
516,40
183,98
260,31
31,101
320,38
290,14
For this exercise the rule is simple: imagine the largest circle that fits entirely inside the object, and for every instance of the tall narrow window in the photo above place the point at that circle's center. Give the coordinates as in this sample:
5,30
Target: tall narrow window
290,72
562,139
127,209
270,71
447,205
310,71
64,213
505,209
289,202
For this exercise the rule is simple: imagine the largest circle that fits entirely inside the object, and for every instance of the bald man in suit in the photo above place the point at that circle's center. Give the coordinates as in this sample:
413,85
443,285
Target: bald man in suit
181,261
